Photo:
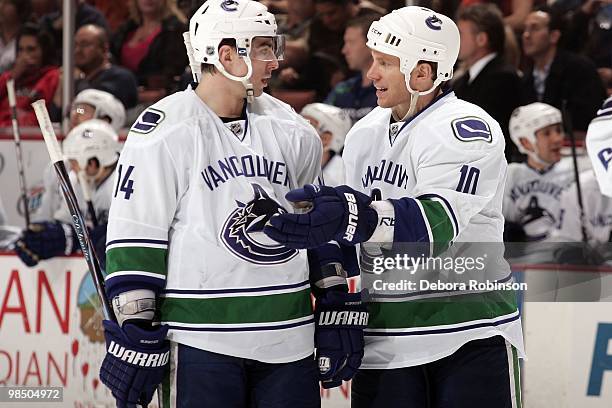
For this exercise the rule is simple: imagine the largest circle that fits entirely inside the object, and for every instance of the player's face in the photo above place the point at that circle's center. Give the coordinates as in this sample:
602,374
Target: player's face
536,37
355,52
549,141
389,80
264,61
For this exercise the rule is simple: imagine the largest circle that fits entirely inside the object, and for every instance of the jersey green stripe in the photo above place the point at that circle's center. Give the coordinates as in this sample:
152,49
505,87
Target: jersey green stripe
517,378
239,309
439,222
136,259
441,311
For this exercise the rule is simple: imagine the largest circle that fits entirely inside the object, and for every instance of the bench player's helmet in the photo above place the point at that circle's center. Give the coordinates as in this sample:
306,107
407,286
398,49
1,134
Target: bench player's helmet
241,20
415,34
526,120
93,139
330,119
105,105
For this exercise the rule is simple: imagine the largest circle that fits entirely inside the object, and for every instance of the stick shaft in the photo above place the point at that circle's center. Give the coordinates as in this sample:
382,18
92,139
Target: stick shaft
10,88
78,221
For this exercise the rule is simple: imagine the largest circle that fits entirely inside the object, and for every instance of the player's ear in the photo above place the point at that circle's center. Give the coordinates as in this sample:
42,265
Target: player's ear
226,54
326,138
527,144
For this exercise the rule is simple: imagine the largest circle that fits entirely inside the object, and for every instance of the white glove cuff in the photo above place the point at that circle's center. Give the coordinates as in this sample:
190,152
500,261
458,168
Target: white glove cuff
386,222
136,304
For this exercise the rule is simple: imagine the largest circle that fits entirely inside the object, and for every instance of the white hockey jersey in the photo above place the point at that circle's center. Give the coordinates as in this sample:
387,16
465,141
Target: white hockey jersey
599,146
333,171
191,199
532,198
597,213
53,205
444,170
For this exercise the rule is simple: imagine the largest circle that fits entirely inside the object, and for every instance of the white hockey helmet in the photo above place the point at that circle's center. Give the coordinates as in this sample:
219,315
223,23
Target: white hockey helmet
105,104
94,138
526,120
241,20
331,119
416,34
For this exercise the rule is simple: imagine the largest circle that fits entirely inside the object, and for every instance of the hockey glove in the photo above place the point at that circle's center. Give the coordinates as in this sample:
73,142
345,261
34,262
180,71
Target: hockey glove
338,213
44,240
135,362
339,322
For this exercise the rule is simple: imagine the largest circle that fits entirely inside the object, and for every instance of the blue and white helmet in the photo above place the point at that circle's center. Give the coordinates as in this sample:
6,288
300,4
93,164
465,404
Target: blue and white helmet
105,104
91,139
416,34
526,120
330,119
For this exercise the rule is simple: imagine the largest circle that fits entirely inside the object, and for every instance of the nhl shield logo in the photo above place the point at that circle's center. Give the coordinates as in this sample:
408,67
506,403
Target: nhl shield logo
394,131
242,233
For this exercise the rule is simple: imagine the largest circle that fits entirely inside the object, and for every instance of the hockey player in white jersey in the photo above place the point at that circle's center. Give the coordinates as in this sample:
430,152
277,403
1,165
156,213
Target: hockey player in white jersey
189,271
92,150
595,186
439,165
88,104
532,198
332,124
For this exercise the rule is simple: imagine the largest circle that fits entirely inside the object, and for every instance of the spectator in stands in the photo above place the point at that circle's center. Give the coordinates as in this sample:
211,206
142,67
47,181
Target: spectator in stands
84,14
91,57
328,27
356,95
514,11
151,45
13,14
36,76
559,76
116,12
295,26
489,81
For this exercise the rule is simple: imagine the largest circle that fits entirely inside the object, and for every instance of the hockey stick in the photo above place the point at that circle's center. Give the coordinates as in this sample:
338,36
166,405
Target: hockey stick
87,196
196,70
570,131
78,220
10,88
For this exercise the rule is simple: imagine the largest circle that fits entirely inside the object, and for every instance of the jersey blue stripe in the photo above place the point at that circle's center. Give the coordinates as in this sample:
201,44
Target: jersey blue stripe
239,329
138,241
443,330
409,221
237,290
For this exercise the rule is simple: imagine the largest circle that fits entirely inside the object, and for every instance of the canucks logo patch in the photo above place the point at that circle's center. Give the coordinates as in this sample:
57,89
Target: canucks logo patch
434,23
242,233
148,121
605,156
471,128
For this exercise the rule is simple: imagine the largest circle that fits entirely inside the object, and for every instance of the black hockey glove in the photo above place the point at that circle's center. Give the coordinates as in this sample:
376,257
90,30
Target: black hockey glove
44,240
340,319
135,362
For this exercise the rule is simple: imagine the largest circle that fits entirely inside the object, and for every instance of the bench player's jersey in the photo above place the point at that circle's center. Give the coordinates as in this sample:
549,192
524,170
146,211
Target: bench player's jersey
532,197
444,170
191,199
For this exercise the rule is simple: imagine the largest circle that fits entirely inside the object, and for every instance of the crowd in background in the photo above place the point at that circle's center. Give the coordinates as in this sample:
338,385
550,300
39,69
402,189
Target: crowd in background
513,53
134,50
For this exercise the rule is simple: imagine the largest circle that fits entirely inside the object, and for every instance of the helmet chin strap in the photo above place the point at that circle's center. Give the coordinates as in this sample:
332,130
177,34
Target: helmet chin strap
536,157
414,95
244,80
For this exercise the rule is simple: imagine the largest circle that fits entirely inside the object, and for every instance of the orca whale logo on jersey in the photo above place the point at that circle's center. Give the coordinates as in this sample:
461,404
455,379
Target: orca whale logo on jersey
148,121
605,156
229,5
471,128
242,233
434,23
